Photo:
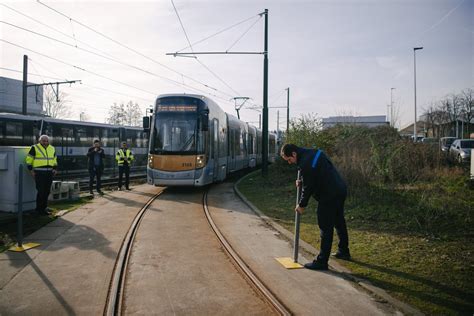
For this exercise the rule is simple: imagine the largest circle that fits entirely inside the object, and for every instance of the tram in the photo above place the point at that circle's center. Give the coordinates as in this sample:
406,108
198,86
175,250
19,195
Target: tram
72,139
193,142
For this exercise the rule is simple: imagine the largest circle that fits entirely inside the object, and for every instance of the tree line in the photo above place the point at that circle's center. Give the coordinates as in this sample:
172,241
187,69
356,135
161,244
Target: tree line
451,116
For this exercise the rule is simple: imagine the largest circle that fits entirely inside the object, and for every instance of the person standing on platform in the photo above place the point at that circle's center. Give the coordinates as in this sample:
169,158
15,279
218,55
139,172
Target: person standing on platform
321,180
96,158
42,163
124,159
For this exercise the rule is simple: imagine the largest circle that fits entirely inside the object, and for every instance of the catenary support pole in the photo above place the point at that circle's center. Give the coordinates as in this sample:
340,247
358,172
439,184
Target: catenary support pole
265,102
25,85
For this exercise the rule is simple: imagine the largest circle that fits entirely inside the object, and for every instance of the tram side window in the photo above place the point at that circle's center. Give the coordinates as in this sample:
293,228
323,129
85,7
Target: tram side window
2,133
13,133
132,138
105,137
28,136
272,146
95,134
250,144
81,137
237,143
47,129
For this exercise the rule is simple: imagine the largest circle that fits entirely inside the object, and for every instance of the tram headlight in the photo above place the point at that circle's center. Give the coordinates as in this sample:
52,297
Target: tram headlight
150,161
200,161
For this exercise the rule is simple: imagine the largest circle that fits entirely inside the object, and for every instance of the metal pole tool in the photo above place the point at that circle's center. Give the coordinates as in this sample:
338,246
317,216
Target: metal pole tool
297,221
287,262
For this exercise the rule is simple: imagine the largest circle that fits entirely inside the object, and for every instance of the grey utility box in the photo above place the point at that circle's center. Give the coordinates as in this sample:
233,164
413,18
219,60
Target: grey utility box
10,159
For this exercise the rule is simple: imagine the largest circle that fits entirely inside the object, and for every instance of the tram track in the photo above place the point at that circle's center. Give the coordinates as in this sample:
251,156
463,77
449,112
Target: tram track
117,283
115,298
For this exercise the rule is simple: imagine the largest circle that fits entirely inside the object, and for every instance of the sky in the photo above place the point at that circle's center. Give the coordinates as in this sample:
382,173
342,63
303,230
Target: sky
337,57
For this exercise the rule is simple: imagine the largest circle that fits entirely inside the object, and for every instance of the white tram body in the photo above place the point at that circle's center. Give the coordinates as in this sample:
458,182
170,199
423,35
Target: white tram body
193,142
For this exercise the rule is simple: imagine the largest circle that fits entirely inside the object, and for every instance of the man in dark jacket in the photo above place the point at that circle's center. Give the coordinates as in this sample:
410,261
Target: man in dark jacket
321,180
96,158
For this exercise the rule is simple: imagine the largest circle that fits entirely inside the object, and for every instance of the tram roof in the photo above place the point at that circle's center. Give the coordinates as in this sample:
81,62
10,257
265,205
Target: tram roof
62,121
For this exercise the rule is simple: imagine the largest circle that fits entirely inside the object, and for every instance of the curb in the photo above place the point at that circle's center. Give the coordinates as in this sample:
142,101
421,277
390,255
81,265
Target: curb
308,249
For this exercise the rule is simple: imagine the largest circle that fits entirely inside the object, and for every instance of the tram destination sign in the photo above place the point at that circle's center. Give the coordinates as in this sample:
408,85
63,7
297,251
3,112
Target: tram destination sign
177,108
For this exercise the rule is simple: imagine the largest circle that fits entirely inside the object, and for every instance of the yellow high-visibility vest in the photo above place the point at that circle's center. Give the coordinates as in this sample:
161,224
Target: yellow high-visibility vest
120,156
44,159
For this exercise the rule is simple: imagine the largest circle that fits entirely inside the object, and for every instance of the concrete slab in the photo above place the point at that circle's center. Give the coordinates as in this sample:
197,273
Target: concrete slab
304,291
47,233
10,269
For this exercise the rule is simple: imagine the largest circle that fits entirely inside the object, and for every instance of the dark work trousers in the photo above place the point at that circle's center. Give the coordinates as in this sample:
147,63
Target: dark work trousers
330,216
124,169
94,173
43,180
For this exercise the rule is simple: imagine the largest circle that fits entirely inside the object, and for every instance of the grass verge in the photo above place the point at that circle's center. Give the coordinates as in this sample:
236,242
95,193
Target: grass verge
408,240
32,221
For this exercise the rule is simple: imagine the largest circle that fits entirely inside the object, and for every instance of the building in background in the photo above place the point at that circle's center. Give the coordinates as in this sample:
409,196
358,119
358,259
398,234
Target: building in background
11,91
369,121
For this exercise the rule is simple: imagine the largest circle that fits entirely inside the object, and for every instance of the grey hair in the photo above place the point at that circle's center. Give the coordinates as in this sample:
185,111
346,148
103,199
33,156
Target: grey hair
43,136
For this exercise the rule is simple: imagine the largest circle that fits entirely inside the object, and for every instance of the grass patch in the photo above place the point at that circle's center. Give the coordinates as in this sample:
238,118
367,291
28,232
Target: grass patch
32,221
415,241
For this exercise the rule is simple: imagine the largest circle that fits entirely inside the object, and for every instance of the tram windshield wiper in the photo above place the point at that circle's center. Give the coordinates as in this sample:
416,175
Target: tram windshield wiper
189,142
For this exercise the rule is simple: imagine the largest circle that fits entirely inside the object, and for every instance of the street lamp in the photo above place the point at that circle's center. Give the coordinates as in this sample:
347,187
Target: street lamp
414,72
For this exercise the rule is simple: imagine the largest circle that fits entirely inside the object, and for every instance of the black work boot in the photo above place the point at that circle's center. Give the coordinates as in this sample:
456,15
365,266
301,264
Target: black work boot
342,254
316,265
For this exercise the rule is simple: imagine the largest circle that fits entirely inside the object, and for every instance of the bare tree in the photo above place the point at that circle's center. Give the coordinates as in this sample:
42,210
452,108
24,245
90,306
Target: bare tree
133,114
467,107
55,108
117,114
125,114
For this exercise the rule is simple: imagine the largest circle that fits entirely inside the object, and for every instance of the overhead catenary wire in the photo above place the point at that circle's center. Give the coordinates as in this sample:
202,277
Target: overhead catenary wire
129,48
54,29
30,74
221,31
82,83
108,58
76,67
245,33
205,66
199,61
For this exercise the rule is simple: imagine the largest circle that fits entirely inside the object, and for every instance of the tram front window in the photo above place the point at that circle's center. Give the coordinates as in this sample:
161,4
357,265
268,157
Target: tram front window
175,133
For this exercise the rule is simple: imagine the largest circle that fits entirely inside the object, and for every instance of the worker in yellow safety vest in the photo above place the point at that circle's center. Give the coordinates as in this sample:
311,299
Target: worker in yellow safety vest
124,159
42,163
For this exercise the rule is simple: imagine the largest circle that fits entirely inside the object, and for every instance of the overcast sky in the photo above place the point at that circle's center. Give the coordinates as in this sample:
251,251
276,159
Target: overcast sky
337,57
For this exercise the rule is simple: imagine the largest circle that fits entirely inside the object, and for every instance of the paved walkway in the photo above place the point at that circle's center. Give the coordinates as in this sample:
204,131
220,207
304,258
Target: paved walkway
70,272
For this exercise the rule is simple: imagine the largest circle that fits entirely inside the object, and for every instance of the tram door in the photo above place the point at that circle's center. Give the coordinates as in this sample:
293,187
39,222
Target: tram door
215,147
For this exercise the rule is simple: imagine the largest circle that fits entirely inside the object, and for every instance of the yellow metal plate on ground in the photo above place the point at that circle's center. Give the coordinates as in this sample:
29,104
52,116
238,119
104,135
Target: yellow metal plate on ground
289,263
24,247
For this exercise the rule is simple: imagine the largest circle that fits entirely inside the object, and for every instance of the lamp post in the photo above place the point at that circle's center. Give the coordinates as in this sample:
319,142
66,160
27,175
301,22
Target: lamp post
392,122
414,72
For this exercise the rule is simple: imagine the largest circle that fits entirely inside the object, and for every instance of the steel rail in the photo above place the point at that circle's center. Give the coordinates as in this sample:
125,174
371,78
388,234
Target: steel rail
116,288
254,281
